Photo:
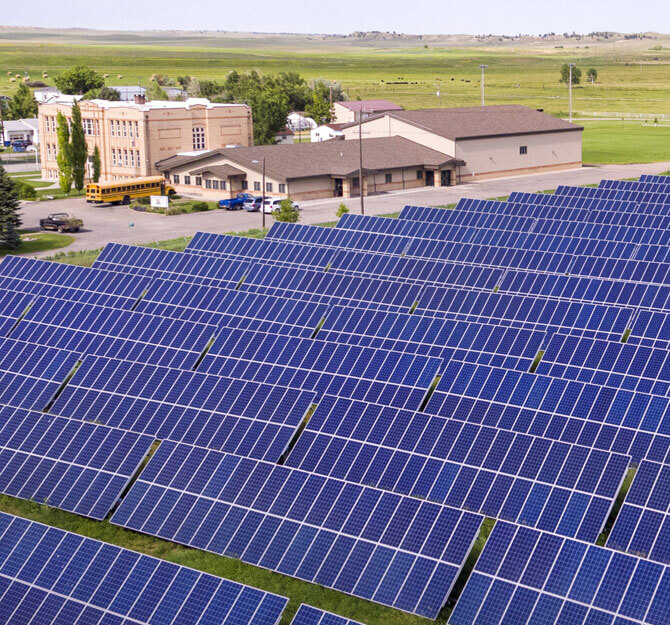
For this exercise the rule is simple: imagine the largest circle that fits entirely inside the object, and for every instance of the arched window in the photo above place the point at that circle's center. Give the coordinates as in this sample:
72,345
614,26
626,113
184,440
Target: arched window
198,138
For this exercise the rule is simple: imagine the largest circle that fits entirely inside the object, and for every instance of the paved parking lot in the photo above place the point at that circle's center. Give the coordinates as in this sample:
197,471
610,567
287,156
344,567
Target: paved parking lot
120,224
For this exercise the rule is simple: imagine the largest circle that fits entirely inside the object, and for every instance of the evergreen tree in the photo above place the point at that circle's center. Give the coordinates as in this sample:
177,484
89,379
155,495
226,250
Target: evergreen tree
96,164
286,212
10,221
23,104
342,209
78,149
63,159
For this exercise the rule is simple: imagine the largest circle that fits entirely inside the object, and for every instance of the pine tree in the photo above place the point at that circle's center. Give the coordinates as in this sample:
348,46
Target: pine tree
23,104
10,221
78,149
63,159
286,212
96,164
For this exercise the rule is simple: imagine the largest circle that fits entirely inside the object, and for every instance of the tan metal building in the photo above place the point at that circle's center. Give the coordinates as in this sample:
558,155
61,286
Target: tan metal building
351,111
306,171
493,141
132,136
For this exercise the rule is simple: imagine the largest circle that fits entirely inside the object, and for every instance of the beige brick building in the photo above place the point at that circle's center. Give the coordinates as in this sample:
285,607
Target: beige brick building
133,136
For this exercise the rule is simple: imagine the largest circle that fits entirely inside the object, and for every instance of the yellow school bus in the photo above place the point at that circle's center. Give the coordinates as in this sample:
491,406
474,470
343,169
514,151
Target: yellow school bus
123,191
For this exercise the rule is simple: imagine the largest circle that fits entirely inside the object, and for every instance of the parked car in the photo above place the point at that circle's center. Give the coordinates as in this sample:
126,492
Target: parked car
61,222
235,203
253,204
271,204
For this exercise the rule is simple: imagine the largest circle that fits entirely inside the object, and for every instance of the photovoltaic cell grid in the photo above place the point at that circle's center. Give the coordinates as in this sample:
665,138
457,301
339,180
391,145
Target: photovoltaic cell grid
155,263
394,550
631,423
643,524
236,309
590,201
542,483
103,331
70,282
651,329
607,363
30,375
12,306
249,418
395,378
73,465
527,576
440,215
634,185
644,202
443,338
48,575
307,615
527,312
655,178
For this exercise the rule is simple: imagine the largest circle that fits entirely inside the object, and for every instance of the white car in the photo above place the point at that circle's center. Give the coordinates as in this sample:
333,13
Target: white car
271,204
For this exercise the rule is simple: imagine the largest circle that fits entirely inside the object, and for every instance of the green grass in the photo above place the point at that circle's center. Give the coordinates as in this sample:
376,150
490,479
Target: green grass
297,591
625,142
616,507
41,242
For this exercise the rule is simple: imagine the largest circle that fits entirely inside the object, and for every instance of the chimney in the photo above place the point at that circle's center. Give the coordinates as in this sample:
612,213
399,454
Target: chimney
140,99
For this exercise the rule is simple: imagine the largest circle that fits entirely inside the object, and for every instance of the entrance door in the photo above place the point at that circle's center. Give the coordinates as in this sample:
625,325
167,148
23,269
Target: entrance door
430,178
338,187
445,178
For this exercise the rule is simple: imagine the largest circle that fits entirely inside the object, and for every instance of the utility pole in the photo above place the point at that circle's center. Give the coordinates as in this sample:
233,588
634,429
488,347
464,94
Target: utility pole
570,65
483,67
360,159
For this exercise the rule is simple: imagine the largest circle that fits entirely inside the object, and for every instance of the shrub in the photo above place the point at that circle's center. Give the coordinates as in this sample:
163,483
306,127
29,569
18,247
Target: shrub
26,192
341,210
199,207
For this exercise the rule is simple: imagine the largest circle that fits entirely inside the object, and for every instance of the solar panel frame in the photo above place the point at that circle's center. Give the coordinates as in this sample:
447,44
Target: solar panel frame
308,615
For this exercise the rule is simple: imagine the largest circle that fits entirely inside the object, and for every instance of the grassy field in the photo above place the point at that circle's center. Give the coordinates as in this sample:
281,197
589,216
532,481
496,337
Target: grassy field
625,142
34,242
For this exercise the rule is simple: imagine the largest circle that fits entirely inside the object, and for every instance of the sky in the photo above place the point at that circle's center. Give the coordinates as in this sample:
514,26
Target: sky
508,17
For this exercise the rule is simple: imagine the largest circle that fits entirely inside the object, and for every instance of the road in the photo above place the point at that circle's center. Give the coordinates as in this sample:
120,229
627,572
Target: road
120,224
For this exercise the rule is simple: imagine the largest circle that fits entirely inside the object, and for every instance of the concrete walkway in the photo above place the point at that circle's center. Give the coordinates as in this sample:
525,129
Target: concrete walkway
120,224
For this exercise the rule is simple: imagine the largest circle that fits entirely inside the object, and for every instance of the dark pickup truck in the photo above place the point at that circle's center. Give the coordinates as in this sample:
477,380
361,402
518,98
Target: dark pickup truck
61,222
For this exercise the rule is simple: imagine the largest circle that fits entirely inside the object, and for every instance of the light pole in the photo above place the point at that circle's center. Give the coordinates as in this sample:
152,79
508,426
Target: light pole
360,160
483,67
262,161
570,65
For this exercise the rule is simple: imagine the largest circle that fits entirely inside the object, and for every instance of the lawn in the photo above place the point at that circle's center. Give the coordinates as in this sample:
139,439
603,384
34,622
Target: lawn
34,242
625,142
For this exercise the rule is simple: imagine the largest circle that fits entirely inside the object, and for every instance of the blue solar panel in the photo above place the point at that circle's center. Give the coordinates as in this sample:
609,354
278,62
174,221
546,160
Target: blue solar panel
646,202
635,185
589,200
643,524
651,329
391,549
526,576
443,338
31,375
551,485
70,282
248,418
162,264
12,306
618,420
208,243
90,329
658,178
608,363
524,311
330,288
64,463
323,367
50,576
307,615
225,308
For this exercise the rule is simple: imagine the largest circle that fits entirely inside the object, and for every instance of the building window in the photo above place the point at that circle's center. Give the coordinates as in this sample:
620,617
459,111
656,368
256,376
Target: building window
137,130
257,186
282,188
523,149
388,178
112,128
113,156
88,126
215,184
187,179
48,151
268,187
97,127
137,157
223,185
125,158
245,185
208,183
125,130
132,158
419,174
198,138
175,178
198,181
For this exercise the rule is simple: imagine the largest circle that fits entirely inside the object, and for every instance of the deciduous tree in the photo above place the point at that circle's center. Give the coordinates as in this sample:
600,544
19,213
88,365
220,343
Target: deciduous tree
78,149
565,74
286,212
79,80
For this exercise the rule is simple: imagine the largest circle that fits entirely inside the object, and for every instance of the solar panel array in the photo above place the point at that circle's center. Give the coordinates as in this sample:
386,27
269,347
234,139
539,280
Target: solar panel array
345,406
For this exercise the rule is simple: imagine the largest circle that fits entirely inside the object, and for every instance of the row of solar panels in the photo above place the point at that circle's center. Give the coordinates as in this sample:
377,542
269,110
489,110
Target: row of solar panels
48,575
